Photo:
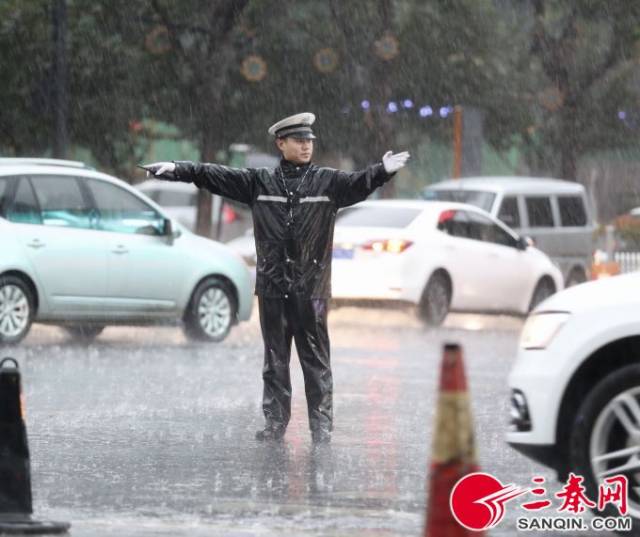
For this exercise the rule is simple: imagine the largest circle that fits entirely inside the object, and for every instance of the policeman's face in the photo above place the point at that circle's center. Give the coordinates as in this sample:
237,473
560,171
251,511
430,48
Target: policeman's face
298,150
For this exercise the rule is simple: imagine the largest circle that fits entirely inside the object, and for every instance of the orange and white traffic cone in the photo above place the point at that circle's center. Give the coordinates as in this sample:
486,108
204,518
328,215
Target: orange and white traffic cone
454,454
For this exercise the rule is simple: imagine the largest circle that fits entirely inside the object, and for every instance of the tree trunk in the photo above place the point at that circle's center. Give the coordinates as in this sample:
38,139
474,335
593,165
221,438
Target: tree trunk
205,200
383,125
60,99
569,149
568,165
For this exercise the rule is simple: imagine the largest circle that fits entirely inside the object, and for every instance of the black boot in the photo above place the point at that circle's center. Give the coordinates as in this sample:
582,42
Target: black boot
320,436
270,433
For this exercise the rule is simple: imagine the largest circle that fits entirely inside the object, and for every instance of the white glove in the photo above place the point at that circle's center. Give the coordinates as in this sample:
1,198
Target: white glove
160,168
393,162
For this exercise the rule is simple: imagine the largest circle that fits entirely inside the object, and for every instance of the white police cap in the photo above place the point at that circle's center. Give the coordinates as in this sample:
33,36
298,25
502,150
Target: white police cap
298,126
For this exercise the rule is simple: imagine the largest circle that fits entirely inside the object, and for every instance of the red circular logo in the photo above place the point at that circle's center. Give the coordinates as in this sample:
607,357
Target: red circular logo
477,501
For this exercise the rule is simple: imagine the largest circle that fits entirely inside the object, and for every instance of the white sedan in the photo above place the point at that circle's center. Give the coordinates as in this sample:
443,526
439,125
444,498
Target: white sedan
84,250
440,256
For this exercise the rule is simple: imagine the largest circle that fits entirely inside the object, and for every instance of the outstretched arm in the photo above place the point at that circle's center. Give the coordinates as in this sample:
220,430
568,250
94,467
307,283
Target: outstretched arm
234,183
352,187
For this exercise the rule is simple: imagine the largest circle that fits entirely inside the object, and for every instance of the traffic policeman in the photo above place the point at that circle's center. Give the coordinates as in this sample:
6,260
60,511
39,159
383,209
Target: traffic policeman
294,208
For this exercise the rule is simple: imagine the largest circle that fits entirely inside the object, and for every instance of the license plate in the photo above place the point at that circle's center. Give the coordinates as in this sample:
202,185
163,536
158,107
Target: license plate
343,253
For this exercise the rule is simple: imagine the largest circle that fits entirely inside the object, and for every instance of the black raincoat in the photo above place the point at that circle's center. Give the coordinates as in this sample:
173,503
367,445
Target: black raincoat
293,226
294,210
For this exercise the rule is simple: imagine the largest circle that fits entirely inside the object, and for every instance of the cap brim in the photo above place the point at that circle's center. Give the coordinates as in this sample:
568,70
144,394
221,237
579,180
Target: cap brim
299,135
303,136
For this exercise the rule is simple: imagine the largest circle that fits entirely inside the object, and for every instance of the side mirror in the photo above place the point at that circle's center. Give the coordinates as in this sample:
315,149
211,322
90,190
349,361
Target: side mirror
168,230
167,227
524,243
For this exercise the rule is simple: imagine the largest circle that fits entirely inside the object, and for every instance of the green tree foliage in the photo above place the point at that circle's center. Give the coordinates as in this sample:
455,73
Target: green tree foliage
25,65
106,86
550,76
108,80
583,74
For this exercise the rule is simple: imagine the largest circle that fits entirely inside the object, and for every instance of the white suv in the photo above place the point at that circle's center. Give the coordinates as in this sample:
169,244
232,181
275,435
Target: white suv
84,250
575,387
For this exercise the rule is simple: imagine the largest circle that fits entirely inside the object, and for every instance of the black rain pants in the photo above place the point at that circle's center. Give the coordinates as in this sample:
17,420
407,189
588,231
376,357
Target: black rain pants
305,320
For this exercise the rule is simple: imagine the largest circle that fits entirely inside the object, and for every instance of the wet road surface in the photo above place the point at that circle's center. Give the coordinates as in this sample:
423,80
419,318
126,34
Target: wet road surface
144,433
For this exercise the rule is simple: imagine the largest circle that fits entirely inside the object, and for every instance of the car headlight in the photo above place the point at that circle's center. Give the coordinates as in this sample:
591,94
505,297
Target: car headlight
541,328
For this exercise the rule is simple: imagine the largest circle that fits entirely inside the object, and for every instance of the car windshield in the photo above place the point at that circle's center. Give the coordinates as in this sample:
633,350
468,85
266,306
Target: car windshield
481,199
377,216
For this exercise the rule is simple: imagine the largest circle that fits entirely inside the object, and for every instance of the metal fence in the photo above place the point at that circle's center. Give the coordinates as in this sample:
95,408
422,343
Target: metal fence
628,261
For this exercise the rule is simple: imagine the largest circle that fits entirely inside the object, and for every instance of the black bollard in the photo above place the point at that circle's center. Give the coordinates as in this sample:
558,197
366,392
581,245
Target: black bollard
15,472
15,469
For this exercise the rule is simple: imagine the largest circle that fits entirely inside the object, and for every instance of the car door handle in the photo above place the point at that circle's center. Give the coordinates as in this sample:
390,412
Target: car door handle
120,250
36,243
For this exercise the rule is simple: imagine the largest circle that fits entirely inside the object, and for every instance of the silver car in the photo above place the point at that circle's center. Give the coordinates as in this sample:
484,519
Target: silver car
84,250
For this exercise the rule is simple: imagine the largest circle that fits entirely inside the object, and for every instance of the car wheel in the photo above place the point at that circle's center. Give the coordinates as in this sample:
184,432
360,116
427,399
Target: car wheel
576,276
84,333
605,438
544,289
17,308
211,312
435,301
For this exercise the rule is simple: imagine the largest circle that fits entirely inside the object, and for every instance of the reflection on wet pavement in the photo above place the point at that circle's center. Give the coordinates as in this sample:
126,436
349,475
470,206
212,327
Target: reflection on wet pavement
144,433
